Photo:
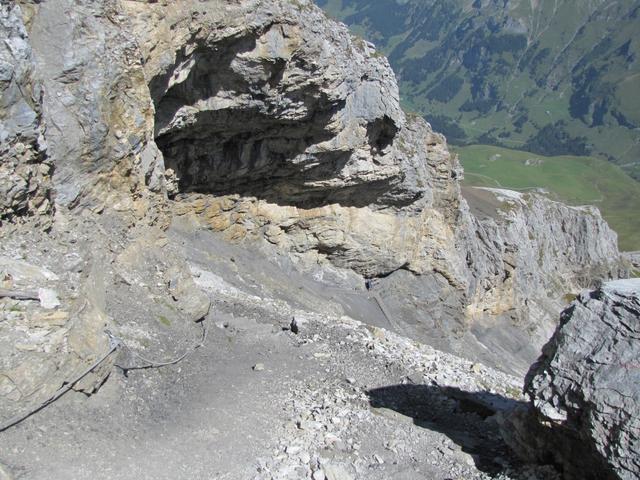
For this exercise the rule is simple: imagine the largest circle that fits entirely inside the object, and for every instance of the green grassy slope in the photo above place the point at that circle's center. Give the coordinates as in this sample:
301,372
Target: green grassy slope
573,180
552,76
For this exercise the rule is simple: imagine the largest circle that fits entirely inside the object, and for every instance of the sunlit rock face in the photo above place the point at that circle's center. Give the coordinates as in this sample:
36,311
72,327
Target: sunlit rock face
584,410
25,171
268,122
281,105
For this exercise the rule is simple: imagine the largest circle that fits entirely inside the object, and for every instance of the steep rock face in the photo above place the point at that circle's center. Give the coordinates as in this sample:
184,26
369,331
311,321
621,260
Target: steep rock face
96,105
529,242
524,256
267,122
24,167
584,389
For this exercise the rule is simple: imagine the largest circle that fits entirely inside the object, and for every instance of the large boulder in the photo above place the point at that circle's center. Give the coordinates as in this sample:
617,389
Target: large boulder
584,410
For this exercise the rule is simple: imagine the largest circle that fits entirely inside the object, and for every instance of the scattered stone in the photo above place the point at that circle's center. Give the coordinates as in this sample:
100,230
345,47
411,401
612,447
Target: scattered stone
318,475
416,378
26,347
190,299
258,367
309,425
293,449
377,333
4,473
336,472
50,319
305,457
295,326
48,298
378,458
25,273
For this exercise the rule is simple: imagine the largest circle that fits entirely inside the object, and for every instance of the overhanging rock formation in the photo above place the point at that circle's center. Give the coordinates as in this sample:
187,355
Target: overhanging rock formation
269,123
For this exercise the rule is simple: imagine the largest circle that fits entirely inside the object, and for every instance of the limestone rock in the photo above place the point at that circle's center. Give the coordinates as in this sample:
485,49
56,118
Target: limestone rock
272,100
584,391
266,120
96,105
25,169
191,301
4,473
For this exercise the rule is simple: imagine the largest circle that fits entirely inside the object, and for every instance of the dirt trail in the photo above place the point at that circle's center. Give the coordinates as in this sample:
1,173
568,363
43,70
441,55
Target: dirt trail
340,399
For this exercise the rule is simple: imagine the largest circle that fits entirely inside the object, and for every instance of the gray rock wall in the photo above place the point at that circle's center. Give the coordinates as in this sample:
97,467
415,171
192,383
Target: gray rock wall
25,169
585,389
96,103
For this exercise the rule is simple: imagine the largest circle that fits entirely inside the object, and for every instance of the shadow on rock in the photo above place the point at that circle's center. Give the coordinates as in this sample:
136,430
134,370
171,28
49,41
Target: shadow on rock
467,418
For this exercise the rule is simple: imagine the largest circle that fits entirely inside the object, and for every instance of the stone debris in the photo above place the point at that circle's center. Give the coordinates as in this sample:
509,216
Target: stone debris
4,473
48,319
48,298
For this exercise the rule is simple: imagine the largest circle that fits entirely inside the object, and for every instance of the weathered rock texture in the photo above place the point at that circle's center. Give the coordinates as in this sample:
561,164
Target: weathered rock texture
298,127
96,104
269,123
271,100
585,389
24,167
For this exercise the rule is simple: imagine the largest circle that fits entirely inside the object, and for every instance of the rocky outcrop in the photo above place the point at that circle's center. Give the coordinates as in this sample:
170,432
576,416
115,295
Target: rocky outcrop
584,411
268,123
272,101
25,169
282,127
96,104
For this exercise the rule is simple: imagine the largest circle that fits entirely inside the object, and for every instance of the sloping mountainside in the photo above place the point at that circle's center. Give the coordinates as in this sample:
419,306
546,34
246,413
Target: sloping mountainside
237,182
553,77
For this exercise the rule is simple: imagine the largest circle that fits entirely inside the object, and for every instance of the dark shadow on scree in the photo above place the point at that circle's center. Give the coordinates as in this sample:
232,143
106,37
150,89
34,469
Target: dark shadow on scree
467,418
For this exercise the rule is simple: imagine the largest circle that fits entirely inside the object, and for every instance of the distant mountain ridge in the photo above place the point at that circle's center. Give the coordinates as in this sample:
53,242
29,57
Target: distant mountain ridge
549,76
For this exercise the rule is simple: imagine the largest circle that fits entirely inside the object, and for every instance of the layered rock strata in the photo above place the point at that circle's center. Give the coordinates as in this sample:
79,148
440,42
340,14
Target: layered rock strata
25,169
271,124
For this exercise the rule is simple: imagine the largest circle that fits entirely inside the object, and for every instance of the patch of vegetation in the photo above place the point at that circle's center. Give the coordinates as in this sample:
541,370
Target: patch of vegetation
446,89
447,127
164,320
569,297
553,139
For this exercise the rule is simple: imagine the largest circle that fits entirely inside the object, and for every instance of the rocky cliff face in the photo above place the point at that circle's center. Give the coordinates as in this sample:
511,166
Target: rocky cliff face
25,169
302,126
270,124
585,403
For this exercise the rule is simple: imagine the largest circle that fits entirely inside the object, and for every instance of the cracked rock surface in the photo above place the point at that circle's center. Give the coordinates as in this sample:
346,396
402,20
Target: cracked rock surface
248,163
585,389
267,120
